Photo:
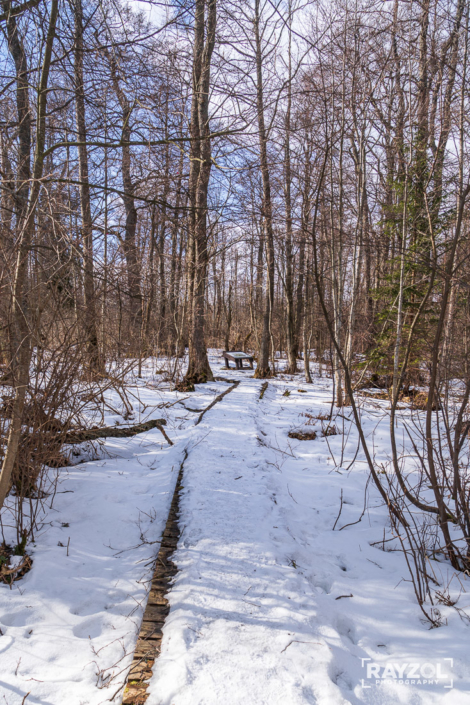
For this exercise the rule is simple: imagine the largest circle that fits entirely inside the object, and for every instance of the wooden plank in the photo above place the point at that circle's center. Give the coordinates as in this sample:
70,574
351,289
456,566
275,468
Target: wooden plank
141,670
157,597
135,694
148,650
151,631
155,613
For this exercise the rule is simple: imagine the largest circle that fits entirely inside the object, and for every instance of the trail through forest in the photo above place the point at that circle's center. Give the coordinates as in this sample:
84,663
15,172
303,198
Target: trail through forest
280,597
283,181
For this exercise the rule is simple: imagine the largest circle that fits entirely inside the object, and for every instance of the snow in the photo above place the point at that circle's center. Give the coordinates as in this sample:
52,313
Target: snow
70,625
239,354
270,604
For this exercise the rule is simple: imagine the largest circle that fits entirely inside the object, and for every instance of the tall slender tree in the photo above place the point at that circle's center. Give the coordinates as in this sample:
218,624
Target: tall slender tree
205,21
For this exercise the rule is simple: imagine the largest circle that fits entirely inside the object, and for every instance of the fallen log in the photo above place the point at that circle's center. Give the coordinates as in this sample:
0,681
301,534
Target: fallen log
217,399
264,387
94,434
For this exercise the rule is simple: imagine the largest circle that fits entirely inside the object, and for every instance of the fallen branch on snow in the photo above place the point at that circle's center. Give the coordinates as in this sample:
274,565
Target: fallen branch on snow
218,398
94,434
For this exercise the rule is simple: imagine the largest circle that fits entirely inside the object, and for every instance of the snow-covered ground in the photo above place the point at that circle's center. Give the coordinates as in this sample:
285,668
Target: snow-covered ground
270,605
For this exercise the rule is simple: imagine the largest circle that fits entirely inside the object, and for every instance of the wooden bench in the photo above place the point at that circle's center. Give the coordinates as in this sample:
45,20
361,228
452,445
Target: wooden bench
237,358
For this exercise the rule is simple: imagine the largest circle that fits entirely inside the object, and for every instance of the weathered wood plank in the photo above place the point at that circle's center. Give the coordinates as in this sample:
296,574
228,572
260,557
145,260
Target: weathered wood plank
151,631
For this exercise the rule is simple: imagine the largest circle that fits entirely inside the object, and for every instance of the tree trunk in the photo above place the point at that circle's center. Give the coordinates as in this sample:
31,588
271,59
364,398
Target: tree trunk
292,342
134,283
263,370
201,161
91,332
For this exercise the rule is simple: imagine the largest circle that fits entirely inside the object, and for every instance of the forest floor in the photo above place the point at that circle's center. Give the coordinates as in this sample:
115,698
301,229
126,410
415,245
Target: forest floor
276,600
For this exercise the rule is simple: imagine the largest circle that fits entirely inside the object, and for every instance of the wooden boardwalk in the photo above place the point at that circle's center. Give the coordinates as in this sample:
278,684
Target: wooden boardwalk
149,640
150,636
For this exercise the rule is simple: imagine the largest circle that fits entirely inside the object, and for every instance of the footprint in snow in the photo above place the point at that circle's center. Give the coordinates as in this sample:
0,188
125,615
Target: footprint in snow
90,607
322,582
341,679
23,618
91,628
346,628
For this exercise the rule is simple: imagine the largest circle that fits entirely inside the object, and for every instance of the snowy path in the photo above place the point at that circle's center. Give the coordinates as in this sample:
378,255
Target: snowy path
235,599
254,616
270,604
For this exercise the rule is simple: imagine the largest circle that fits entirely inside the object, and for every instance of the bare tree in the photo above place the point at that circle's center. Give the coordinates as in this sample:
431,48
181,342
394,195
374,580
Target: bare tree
200,169
20,335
